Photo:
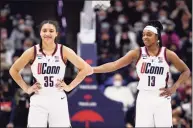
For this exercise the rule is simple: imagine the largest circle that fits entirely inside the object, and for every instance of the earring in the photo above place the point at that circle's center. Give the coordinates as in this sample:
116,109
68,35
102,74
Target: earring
158,42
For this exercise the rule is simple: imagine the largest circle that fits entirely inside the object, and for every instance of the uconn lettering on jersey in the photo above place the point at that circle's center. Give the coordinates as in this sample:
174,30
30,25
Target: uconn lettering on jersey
44,69
149,69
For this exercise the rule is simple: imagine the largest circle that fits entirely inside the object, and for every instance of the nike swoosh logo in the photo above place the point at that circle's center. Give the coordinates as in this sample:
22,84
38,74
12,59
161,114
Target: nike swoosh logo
62,98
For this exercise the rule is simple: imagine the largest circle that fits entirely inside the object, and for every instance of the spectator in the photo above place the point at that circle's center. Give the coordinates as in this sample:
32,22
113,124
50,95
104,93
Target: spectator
27,43
186,51
130,117
125,41
140,7
106,41
104,57
27,75
163,15
8,46
22,109
7,105
182,18
118,9
102,15
118,92
4,17
170,39
21,32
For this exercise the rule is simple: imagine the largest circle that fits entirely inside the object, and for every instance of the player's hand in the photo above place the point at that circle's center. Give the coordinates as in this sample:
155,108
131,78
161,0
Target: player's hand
166,92
10,125
91,71
63,86
34,88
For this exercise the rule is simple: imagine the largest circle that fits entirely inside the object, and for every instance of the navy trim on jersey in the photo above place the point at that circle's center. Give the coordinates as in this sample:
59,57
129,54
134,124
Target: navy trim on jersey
156,54
167,78
43,53
34,55
53,52
61,54
34,80
55,49
166,56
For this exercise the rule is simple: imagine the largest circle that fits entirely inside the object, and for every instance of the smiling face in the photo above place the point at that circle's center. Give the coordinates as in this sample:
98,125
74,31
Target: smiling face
149,38
48,33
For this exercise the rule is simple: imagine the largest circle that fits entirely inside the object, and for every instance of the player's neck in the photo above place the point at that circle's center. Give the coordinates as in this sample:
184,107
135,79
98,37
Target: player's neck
153,50
48,47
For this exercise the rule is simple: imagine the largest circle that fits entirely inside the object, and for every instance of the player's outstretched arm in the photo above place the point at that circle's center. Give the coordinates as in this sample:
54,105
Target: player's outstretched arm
19,64
83,67
180,66
122,62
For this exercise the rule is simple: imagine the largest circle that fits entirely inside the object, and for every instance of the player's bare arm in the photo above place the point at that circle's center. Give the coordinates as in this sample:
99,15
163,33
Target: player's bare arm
181,67
19,64
84,68
122,62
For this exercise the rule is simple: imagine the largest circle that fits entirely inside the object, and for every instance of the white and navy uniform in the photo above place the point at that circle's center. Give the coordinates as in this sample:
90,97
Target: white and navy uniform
153,72
50,104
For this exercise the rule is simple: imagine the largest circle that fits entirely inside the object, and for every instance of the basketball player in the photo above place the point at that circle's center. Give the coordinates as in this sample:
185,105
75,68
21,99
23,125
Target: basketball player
47,59
153,107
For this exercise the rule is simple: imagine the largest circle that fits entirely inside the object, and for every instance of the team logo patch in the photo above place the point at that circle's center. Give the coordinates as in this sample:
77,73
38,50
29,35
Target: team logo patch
144,56
160,59
56,58
39,56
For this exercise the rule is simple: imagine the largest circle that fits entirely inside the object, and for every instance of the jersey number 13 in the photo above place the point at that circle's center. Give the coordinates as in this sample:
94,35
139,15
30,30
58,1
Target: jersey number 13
151,80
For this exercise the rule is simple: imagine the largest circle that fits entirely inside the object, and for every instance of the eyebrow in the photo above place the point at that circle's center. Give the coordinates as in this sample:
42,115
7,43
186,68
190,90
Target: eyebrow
48,29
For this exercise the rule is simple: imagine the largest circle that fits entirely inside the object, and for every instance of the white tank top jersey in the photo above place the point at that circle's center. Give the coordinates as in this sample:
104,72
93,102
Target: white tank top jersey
46,69
153,71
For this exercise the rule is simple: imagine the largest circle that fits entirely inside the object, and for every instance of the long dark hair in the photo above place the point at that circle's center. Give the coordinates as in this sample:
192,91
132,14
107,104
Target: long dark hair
159,27
55,23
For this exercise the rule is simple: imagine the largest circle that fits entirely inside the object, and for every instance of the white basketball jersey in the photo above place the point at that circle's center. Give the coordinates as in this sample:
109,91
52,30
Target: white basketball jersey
47,69
153,71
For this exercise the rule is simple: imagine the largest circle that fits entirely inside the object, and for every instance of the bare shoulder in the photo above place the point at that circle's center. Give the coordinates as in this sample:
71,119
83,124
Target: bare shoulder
176,61
170,55
29,53
169,52
67,53
135,53
67,49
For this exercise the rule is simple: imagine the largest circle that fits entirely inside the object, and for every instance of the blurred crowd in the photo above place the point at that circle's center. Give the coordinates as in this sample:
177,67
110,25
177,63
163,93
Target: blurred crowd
17,35
119,29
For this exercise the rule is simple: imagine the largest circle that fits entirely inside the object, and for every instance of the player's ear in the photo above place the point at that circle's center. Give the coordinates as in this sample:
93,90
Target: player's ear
56,34
157,37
